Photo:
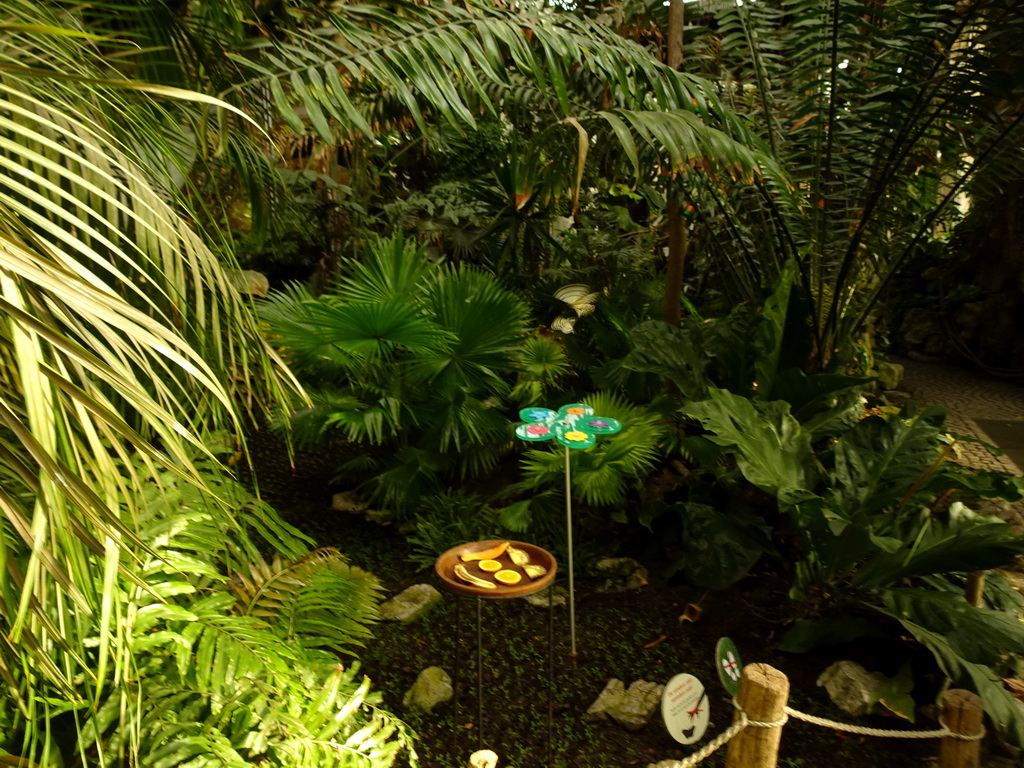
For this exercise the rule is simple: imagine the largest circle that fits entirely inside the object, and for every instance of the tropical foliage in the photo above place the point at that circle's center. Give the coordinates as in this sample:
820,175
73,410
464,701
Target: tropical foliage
123,343
872,514
815,148
867,111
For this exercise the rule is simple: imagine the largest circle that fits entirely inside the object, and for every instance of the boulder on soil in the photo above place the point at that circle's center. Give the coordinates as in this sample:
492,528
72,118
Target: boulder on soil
348,501
631,707
410,604
620,574
851,687
433,687
540,599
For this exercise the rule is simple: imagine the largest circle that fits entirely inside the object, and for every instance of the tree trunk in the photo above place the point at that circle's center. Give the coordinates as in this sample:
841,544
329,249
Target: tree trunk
677,234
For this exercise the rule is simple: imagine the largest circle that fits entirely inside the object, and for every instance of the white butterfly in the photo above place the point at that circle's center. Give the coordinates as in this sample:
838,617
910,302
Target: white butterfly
581,299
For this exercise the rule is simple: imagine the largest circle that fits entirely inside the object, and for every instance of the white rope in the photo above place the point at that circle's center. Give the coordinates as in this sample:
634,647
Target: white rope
711,746
859,729
744,721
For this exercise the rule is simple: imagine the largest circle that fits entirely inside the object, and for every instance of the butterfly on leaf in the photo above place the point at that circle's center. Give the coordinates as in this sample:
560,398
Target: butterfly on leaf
580,299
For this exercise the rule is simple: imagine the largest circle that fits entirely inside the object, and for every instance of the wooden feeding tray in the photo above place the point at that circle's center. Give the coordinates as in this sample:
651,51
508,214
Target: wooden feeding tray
445,567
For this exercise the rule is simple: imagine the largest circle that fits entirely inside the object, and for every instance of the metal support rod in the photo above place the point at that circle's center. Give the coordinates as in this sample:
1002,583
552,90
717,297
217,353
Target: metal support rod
551,670
479,675
455,677
568,532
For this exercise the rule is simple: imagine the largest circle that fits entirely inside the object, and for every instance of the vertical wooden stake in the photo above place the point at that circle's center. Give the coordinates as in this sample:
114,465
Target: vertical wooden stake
975,589
962,712
763,694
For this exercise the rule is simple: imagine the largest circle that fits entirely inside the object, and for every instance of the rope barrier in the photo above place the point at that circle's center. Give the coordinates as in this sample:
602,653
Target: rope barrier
744,721
723,738
944,732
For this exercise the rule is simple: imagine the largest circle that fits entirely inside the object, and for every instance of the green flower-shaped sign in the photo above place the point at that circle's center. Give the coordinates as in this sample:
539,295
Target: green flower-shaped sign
573,425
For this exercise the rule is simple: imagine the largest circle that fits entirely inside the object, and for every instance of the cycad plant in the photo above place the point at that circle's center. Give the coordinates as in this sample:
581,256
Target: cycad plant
122,343
880,114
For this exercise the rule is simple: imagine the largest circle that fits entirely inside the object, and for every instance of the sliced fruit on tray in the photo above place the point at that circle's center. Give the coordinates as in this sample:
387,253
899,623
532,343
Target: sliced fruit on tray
534,571
518,556
508,577
461,573
490,565
485,554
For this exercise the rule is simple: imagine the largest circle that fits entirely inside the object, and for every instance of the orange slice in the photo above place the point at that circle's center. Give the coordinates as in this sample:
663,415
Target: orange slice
508,577
490,565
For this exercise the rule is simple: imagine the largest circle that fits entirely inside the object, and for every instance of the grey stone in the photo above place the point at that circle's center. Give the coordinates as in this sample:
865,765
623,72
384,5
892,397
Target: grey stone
607,700
432,688
620,574
409,604
631,707
889,374
380,516
347,501
637,705
540,599
896,397
850,686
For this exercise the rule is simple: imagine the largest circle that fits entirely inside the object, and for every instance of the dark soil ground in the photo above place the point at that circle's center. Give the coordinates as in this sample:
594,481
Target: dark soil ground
617,636
634,635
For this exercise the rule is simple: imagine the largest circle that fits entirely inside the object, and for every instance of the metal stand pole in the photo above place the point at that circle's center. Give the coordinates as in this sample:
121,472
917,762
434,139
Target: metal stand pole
455,676
551,670
479,676
568,531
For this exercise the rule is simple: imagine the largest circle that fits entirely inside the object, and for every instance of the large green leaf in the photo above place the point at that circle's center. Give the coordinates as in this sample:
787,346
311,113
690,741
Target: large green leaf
956,541
881,461
772,450
1000,705
672,352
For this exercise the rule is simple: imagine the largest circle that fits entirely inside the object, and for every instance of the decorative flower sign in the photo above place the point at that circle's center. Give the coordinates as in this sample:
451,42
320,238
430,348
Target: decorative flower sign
573,425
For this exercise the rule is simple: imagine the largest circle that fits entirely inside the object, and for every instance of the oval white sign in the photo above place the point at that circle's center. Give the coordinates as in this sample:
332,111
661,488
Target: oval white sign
684,708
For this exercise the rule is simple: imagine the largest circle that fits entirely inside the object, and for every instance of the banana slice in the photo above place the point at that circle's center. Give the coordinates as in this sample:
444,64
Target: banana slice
518,556
469,578
485,554
534,571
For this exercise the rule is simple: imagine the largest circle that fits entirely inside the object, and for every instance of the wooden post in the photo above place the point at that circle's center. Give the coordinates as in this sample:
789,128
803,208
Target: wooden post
975,590
484,758
763,694
962,712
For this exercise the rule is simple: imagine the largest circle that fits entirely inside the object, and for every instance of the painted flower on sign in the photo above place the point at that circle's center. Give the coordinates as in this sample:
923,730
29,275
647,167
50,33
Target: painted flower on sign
573,425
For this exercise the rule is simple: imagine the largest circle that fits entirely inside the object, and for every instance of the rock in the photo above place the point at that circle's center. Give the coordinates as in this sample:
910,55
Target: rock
896,397
484,758
409,604
620,574
540,599
607,700
889,374
850,686
347,501
630,707
249,281
432,688
380,516
638,704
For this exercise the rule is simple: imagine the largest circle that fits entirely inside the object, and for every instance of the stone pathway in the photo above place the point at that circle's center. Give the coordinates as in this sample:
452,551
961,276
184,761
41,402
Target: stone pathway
969,397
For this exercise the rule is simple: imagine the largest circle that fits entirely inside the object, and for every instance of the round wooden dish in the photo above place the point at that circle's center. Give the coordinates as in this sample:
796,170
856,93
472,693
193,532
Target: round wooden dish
445,567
